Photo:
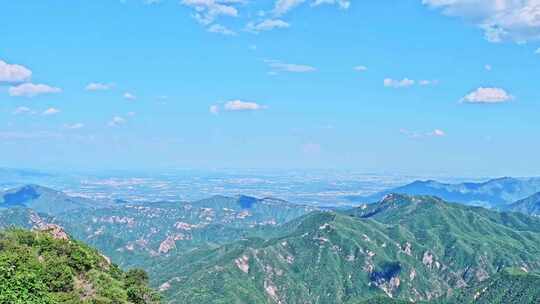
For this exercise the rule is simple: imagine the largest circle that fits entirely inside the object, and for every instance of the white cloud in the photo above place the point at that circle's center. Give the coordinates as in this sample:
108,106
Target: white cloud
236,105
31,90
418,135
343,4
96,86
537,51
517,20
22,110
360,68
283,6
117,121
404,83
488,67
487,96
129,96
50,111
206,11
74,126
13,73
438,133
239,105
220,29
266,25
426,82
278,66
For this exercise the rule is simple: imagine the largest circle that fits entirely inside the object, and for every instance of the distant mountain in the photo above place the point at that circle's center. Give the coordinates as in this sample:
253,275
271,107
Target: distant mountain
133,233
529,205
48,267
495,193
45,200
405,247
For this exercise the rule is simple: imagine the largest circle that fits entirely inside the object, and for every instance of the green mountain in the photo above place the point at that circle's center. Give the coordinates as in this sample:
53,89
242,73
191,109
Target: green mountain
495,193
529,205
48,267
510,286
410,248
132,234
23,218
44,200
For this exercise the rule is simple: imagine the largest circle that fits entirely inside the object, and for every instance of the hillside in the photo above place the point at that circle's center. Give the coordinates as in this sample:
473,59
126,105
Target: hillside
48,267
412,248
529,205
510,286
44,200
495,193
133,233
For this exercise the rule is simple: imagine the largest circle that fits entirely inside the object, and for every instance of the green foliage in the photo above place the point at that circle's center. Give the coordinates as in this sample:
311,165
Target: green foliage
408,247
36,268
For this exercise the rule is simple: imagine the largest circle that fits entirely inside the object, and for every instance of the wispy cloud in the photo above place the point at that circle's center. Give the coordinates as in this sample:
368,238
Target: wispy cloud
266,25
343,4
501,20
50,111
117,121
416,134
74,126
236,105
22,110
360,68
277,66
206,11
96,86
283,6
221,29
403,83
32,90
129,96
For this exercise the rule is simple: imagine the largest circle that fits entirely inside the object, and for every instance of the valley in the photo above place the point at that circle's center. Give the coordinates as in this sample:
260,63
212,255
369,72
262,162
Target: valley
244,249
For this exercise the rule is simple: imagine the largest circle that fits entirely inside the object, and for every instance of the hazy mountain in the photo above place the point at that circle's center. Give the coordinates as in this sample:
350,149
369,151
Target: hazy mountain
495,193
406,247
529,205
45,200
131,233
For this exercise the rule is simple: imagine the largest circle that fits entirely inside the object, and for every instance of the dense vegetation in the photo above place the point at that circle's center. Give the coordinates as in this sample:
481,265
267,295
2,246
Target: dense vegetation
418,248
47,268
509,286
264,251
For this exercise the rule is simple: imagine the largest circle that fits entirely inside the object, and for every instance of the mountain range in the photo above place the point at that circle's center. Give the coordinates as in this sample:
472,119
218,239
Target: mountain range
529,205
409,247
244,249
496,193
46,200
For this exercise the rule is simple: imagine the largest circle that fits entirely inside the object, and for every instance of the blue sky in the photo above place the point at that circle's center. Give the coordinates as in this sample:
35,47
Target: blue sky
411,86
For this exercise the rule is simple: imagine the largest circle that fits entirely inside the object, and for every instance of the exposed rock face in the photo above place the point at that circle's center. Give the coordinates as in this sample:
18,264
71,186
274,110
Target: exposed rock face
170,242
55,231
242,263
